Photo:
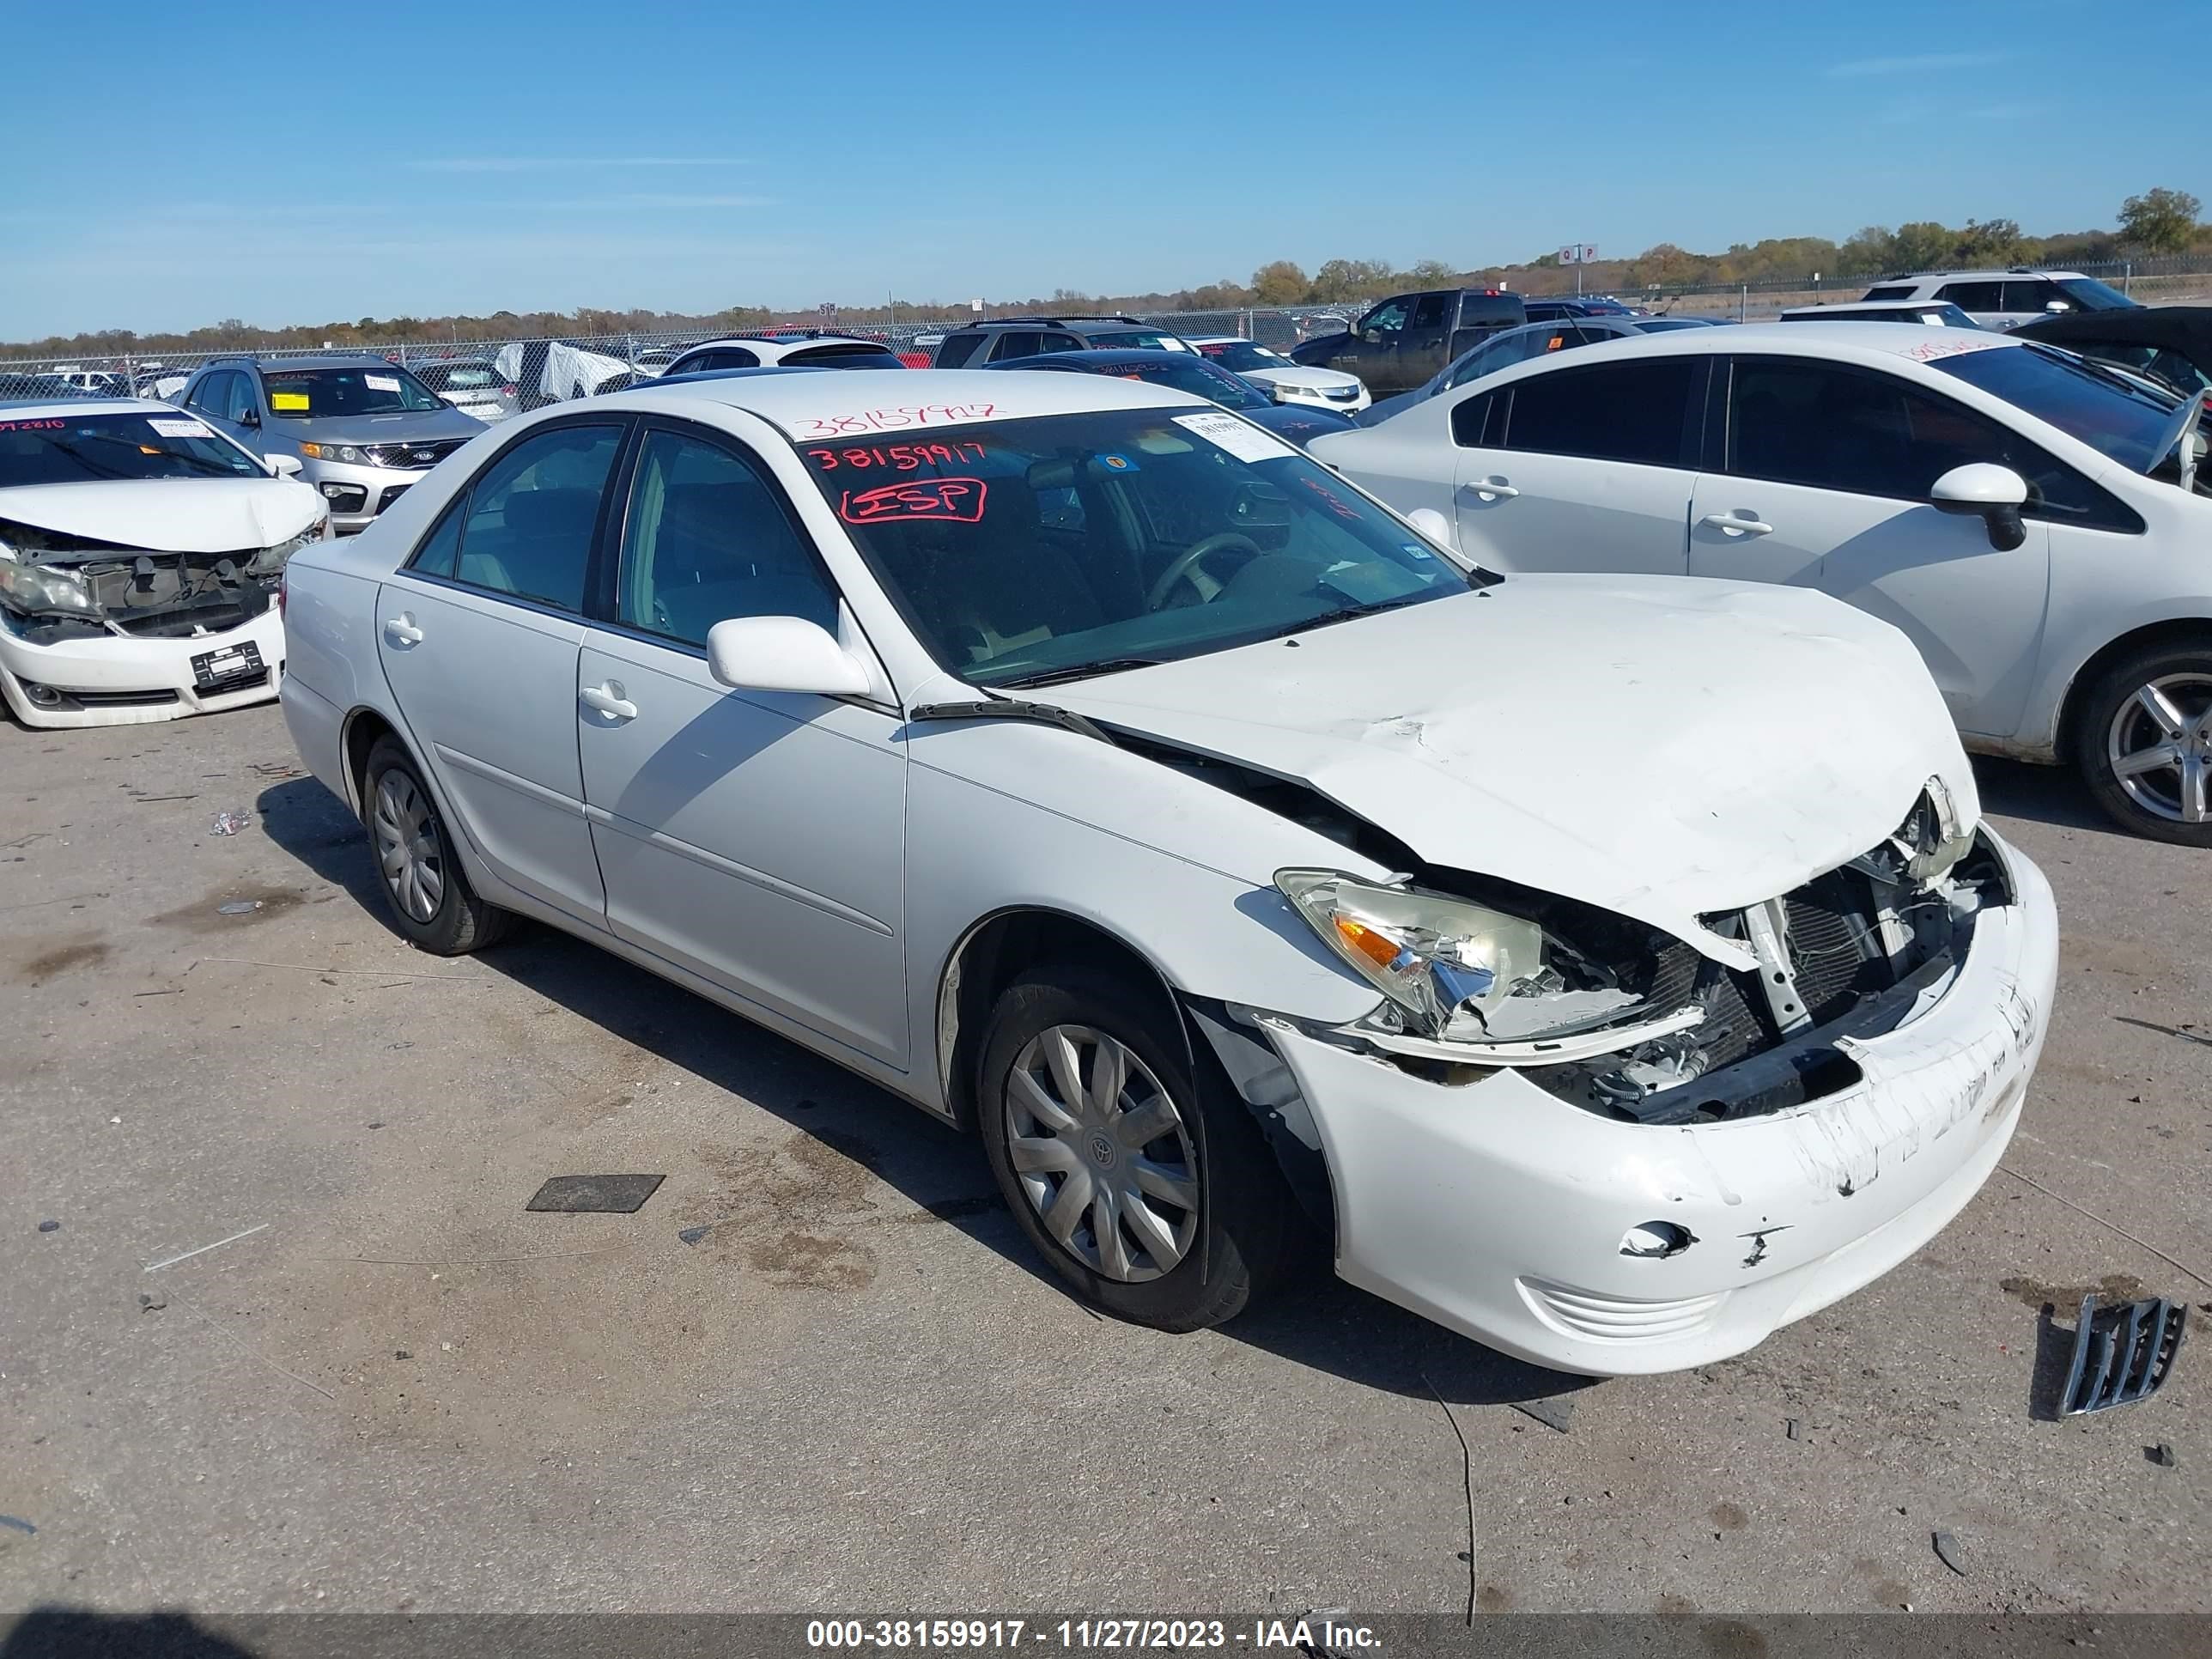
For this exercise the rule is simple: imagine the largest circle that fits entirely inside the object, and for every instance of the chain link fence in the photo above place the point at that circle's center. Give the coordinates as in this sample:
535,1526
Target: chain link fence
527,373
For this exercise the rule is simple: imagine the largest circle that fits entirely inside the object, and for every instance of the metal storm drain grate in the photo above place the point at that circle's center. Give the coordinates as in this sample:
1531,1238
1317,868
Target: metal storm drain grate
595,1195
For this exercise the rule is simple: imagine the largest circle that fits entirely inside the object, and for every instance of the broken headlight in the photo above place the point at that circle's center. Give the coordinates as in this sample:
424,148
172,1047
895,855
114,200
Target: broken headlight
270,560
44,590
1453,971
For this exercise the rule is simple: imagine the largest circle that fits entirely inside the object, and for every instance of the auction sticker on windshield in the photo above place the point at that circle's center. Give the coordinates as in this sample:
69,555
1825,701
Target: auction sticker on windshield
177,428
380,382
1240,438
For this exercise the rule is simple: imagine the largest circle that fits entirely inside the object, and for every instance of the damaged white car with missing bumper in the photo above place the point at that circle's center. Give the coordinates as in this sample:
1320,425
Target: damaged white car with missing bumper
140,557
1094,771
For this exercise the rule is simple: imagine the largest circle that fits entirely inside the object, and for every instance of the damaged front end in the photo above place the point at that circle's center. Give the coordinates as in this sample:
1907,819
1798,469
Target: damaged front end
1629,1023
57,588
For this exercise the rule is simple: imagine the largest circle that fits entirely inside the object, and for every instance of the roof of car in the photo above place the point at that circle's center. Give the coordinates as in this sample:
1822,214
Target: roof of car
1072,324
1866,305
794,341
311,360
1877,345
853,407
1996,275
1099,362
36,408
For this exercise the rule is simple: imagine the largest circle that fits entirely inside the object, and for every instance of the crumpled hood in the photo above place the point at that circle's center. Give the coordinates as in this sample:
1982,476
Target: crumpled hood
1664,747
401,427
169,515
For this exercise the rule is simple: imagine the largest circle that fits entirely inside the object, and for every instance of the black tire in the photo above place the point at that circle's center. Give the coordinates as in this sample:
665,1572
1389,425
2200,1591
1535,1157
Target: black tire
458,922
1239,1235
2110,712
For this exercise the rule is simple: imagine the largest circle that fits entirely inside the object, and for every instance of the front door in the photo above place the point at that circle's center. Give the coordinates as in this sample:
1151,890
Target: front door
755,838
1827,479
1580,468
479,633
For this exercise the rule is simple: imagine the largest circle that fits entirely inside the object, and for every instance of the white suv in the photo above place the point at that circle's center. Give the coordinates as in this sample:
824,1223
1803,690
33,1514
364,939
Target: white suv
2005,299
2035,523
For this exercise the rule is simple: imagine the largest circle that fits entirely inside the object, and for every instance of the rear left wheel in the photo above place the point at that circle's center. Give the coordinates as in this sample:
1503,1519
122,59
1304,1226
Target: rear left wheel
424,886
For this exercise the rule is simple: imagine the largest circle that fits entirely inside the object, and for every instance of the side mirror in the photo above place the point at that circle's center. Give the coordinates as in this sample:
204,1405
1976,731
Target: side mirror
283,466
2056,306
250,417
1431,524
1993,493
782,653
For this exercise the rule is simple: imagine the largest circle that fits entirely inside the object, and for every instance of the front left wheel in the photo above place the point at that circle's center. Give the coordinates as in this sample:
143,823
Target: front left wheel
1149,1189
425,888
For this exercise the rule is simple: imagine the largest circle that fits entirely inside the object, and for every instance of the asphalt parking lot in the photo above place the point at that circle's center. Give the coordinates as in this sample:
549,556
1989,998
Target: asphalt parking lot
855,1392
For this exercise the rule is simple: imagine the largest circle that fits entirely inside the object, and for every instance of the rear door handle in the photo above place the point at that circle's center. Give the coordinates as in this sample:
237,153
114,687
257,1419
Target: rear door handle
1493,488
608,700
1737,524
401,630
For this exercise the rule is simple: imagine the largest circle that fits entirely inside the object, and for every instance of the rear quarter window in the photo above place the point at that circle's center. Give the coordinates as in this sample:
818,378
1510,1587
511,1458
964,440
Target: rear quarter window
955,350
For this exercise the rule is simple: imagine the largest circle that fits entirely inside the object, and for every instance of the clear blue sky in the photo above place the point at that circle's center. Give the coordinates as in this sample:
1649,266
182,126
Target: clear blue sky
169,164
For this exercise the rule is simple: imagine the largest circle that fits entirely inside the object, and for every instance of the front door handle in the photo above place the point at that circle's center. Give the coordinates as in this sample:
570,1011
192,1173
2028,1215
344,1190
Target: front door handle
1740,523
1492,489
608,700
401,630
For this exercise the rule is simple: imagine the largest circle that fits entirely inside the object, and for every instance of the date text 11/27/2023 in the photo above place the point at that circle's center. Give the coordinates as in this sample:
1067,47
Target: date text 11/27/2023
1089,1635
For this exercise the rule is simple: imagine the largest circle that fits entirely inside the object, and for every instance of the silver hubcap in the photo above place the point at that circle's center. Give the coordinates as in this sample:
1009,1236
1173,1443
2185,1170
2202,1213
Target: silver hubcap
407,848
2159,747
1103,1154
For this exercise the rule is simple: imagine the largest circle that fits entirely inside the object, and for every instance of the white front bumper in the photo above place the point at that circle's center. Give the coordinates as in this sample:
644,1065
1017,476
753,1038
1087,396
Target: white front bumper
1499,1211
107,669
1313,398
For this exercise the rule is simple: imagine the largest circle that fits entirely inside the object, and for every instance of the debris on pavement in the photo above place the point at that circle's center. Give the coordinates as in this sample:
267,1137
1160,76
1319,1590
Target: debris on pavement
1792,1427
187,1255
2123,1353
238,907
2161,1453
50,1226
1946,1552
229,824
19,1524
152,1301
1466,1480
693,1235
1554,1412
595,1195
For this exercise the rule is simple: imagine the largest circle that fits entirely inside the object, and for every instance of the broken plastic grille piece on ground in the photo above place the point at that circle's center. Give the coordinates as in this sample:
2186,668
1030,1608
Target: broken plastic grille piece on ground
2122,1354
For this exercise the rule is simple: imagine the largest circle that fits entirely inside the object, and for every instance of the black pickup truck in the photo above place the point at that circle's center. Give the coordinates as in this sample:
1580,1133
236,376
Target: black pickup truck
1407,338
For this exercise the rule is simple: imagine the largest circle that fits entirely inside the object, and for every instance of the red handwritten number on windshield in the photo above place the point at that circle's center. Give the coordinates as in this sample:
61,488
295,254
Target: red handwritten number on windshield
960,500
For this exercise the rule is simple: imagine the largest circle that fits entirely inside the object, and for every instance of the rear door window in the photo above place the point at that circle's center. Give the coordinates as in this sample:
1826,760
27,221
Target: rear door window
1973,296
1015,343
955,349
534,514
1432,310
2029,293
1633,411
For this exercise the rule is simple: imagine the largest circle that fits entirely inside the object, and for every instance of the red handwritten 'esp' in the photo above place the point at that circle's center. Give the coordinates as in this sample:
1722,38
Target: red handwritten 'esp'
960,500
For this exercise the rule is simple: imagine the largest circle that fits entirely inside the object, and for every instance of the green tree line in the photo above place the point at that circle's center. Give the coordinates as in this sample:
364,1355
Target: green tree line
2157,223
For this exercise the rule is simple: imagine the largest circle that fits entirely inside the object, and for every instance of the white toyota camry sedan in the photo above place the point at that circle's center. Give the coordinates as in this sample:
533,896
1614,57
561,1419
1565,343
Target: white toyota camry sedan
1093,771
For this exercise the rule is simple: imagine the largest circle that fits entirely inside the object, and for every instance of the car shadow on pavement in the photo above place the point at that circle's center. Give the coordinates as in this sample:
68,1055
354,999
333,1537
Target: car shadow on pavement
65,1632
1316,1322
2045,794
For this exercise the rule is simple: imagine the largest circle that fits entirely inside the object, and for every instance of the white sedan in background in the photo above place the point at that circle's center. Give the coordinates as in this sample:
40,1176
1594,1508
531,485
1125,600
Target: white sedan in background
1285,381
2037,525
1088,766
140,557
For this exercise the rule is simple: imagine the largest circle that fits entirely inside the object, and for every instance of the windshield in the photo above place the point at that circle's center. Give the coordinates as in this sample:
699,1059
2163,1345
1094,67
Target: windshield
81,448
2090,294
1135,340
845,357
2122,422
307,394
1196,376
466,375
1025,549
1241,354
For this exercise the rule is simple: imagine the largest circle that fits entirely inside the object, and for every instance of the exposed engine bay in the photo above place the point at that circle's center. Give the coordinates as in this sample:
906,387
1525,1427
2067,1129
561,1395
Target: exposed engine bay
59,587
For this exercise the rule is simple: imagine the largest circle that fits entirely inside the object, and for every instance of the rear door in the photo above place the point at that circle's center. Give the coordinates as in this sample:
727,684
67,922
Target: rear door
1581,467
754,837
1824,481
1370,350
1984,300
479,634
1422,350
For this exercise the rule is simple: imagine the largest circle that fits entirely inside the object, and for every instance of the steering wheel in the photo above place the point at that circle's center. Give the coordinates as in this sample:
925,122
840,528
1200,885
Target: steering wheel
1189,559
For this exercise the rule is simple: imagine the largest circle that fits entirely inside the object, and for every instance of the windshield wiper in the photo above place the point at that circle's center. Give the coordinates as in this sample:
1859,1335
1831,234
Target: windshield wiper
1008,708
1082,671
205,466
